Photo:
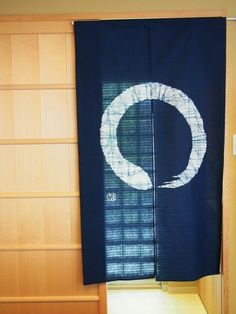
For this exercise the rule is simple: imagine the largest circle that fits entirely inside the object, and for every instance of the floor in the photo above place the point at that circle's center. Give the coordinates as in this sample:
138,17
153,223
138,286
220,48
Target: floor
153,302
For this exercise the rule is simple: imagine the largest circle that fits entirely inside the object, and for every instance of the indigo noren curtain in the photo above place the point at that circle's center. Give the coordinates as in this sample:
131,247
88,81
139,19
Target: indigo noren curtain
150,104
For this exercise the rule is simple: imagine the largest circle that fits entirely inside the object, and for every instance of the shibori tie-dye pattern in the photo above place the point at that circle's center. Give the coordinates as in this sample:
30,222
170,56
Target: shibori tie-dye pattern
123,228
130,173
129,215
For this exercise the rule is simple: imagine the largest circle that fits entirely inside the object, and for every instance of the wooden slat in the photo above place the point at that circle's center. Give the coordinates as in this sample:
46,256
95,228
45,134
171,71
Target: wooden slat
60,298
43,273
30,114
60,104
29,60
110,15
53,61
37,141
70,58
39,168
102,290
39,195
41,248
50,307
5,59
44,27
25,59
40,222
36,86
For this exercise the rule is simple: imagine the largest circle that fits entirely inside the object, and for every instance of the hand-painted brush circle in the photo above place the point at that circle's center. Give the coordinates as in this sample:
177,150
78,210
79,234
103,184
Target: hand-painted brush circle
130,173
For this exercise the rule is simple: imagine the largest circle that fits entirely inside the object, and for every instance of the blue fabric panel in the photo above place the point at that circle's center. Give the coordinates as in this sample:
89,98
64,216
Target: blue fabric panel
171,75
191,58
91,172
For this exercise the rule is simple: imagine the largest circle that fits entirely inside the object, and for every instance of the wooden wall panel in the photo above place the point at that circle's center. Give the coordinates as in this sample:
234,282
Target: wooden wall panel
25,59
210,293
6,113
40,234
42,273
70,51
32,26
37,58
53,60
39,222
5,59
32,114
26,113
59,104
41,168
50,308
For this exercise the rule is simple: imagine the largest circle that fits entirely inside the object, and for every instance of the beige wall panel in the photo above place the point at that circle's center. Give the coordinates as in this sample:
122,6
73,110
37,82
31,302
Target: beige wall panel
27,115
39,222
40,168
8,221
129,6
50,308
72,113
9,274
29,227
75,221
74,167
40,238
181,287
53,58
37,273
70,53
58,113
6,114
5,59
62,221
25,59
40,27
210,293
34,114
7,167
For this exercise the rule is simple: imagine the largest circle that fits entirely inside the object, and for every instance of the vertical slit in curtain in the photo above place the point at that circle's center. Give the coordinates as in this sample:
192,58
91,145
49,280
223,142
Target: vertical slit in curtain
155,240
